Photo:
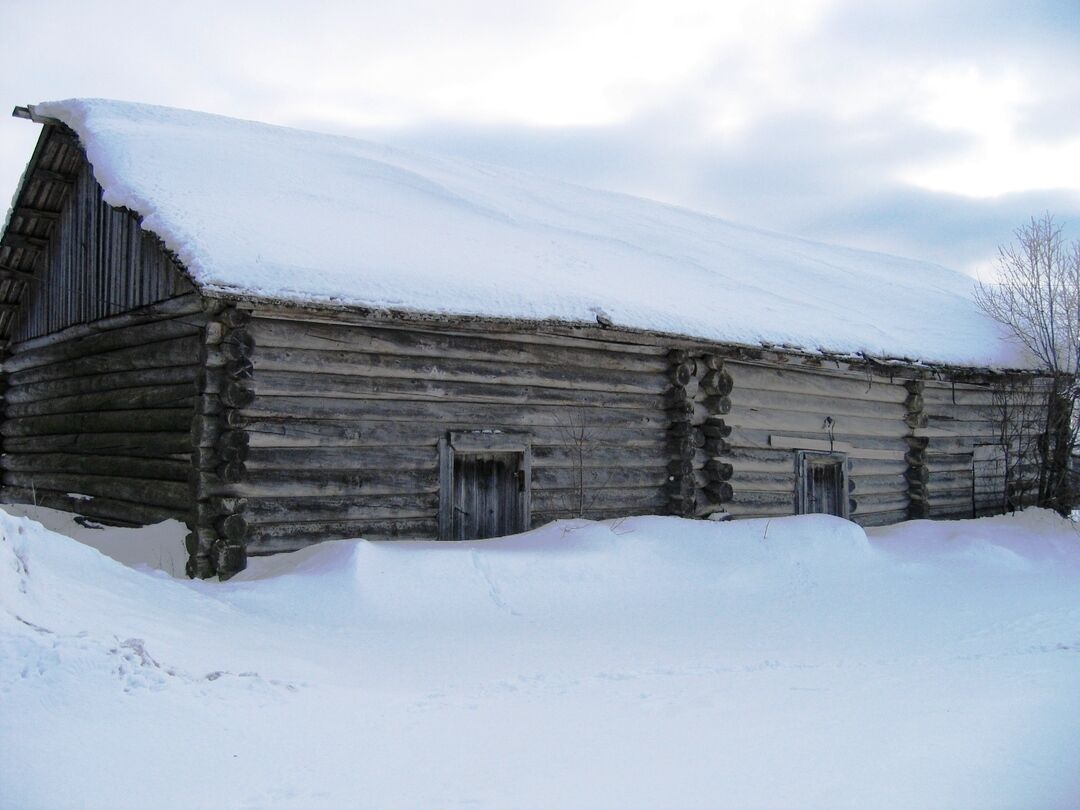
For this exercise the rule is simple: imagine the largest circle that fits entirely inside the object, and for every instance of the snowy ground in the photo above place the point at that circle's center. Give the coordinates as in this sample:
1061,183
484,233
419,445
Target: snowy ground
651,662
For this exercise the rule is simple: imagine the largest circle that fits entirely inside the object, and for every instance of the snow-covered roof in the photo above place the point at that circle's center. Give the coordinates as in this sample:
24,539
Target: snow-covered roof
271,212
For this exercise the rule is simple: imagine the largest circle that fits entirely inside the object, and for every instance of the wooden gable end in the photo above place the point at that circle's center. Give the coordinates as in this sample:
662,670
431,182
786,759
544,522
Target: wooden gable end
67,257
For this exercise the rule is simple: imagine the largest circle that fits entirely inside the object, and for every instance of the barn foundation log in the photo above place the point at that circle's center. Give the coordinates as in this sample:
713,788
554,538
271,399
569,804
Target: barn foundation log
217,543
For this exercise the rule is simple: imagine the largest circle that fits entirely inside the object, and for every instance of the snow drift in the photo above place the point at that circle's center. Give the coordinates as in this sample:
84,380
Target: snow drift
646,662
269,212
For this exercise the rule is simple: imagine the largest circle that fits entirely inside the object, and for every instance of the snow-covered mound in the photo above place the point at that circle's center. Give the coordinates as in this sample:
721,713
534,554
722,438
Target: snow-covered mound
284,214
647,662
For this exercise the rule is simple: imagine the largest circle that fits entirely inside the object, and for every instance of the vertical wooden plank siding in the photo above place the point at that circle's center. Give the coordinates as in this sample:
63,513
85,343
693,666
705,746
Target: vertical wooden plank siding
99,263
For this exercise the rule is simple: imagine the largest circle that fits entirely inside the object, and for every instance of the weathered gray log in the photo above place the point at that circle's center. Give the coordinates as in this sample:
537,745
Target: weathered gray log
599,454
716,447
915,458
231,527
344,387
237,395
433,343
780,403
716,428
598,478
231,472
172,494
143,445
139,335
442,411
917,442
755,499
814,382
117,511
303,483
300,510
187,306
359,432
233,439
541,517
681,467
495,370
887,518
143,421
917,474
717,383
808,422
242,369
237,345
677,397
37,392
638,500
166,354
127,399
681,374
913,403
160,469
718,405
718,470
233,318
269,537
719,491
336,458
713,362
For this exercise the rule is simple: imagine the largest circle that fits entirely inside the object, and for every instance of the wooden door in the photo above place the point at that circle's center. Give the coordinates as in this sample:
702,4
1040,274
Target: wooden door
488,495
822,485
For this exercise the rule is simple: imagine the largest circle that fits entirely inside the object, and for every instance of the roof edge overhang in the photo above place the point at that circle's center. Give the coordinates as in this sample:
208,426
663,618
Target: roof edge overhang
765,353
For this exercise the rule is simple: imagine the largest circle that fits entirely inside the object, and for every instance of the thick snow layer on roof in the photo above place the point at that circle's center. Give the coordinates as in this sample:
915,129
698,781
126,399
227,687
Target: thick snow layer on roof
266,211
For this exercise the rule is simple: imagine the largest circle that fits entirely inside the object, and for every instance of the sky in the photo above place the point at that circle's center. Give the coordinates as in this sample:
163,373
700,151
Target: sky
925,129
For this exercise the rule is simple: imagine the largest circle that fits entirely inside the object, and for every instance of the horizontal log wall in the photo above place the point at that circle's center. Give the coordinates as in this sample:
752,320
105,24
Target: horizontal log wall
98,416
964,426
778,409
342,435
98,262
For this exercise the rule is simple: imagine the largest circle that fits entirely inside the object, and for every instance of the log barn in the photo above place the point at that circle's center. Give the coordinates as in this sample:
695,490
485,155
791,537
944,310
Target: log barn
281,337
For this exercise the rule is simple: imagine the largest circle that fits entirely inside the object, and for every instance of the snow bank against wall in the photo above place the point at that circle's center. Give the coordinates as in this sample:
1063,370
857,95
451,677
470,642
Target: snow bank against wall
267,211
648,662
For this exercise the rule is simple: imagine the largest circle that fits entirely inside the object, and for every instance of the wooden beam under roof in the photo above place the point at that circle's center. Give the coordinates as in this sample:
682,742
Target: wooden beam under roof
49,176
18,275
30,114
24,241
35,213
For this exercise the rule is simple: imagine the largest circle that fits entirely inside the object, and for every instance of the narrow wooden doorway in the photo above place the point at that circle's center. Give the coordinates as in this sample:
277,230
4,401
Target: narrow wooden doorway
485,486
822,484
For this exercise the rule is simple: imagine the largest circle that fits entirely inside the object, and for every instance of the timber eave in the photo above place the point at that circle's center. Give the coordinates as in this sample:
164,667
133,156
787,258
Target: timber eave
822,359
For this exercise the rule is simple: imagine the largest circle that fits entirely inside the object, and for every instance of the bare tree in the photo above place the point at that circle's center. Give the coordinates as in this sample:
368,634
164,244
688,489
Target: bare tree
581,439
1016,410
1037,296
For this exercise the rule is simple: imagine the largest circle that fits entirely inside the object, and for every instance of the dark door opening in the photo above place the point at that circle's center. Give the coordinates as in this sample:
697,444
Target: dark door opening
488,495
822,484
